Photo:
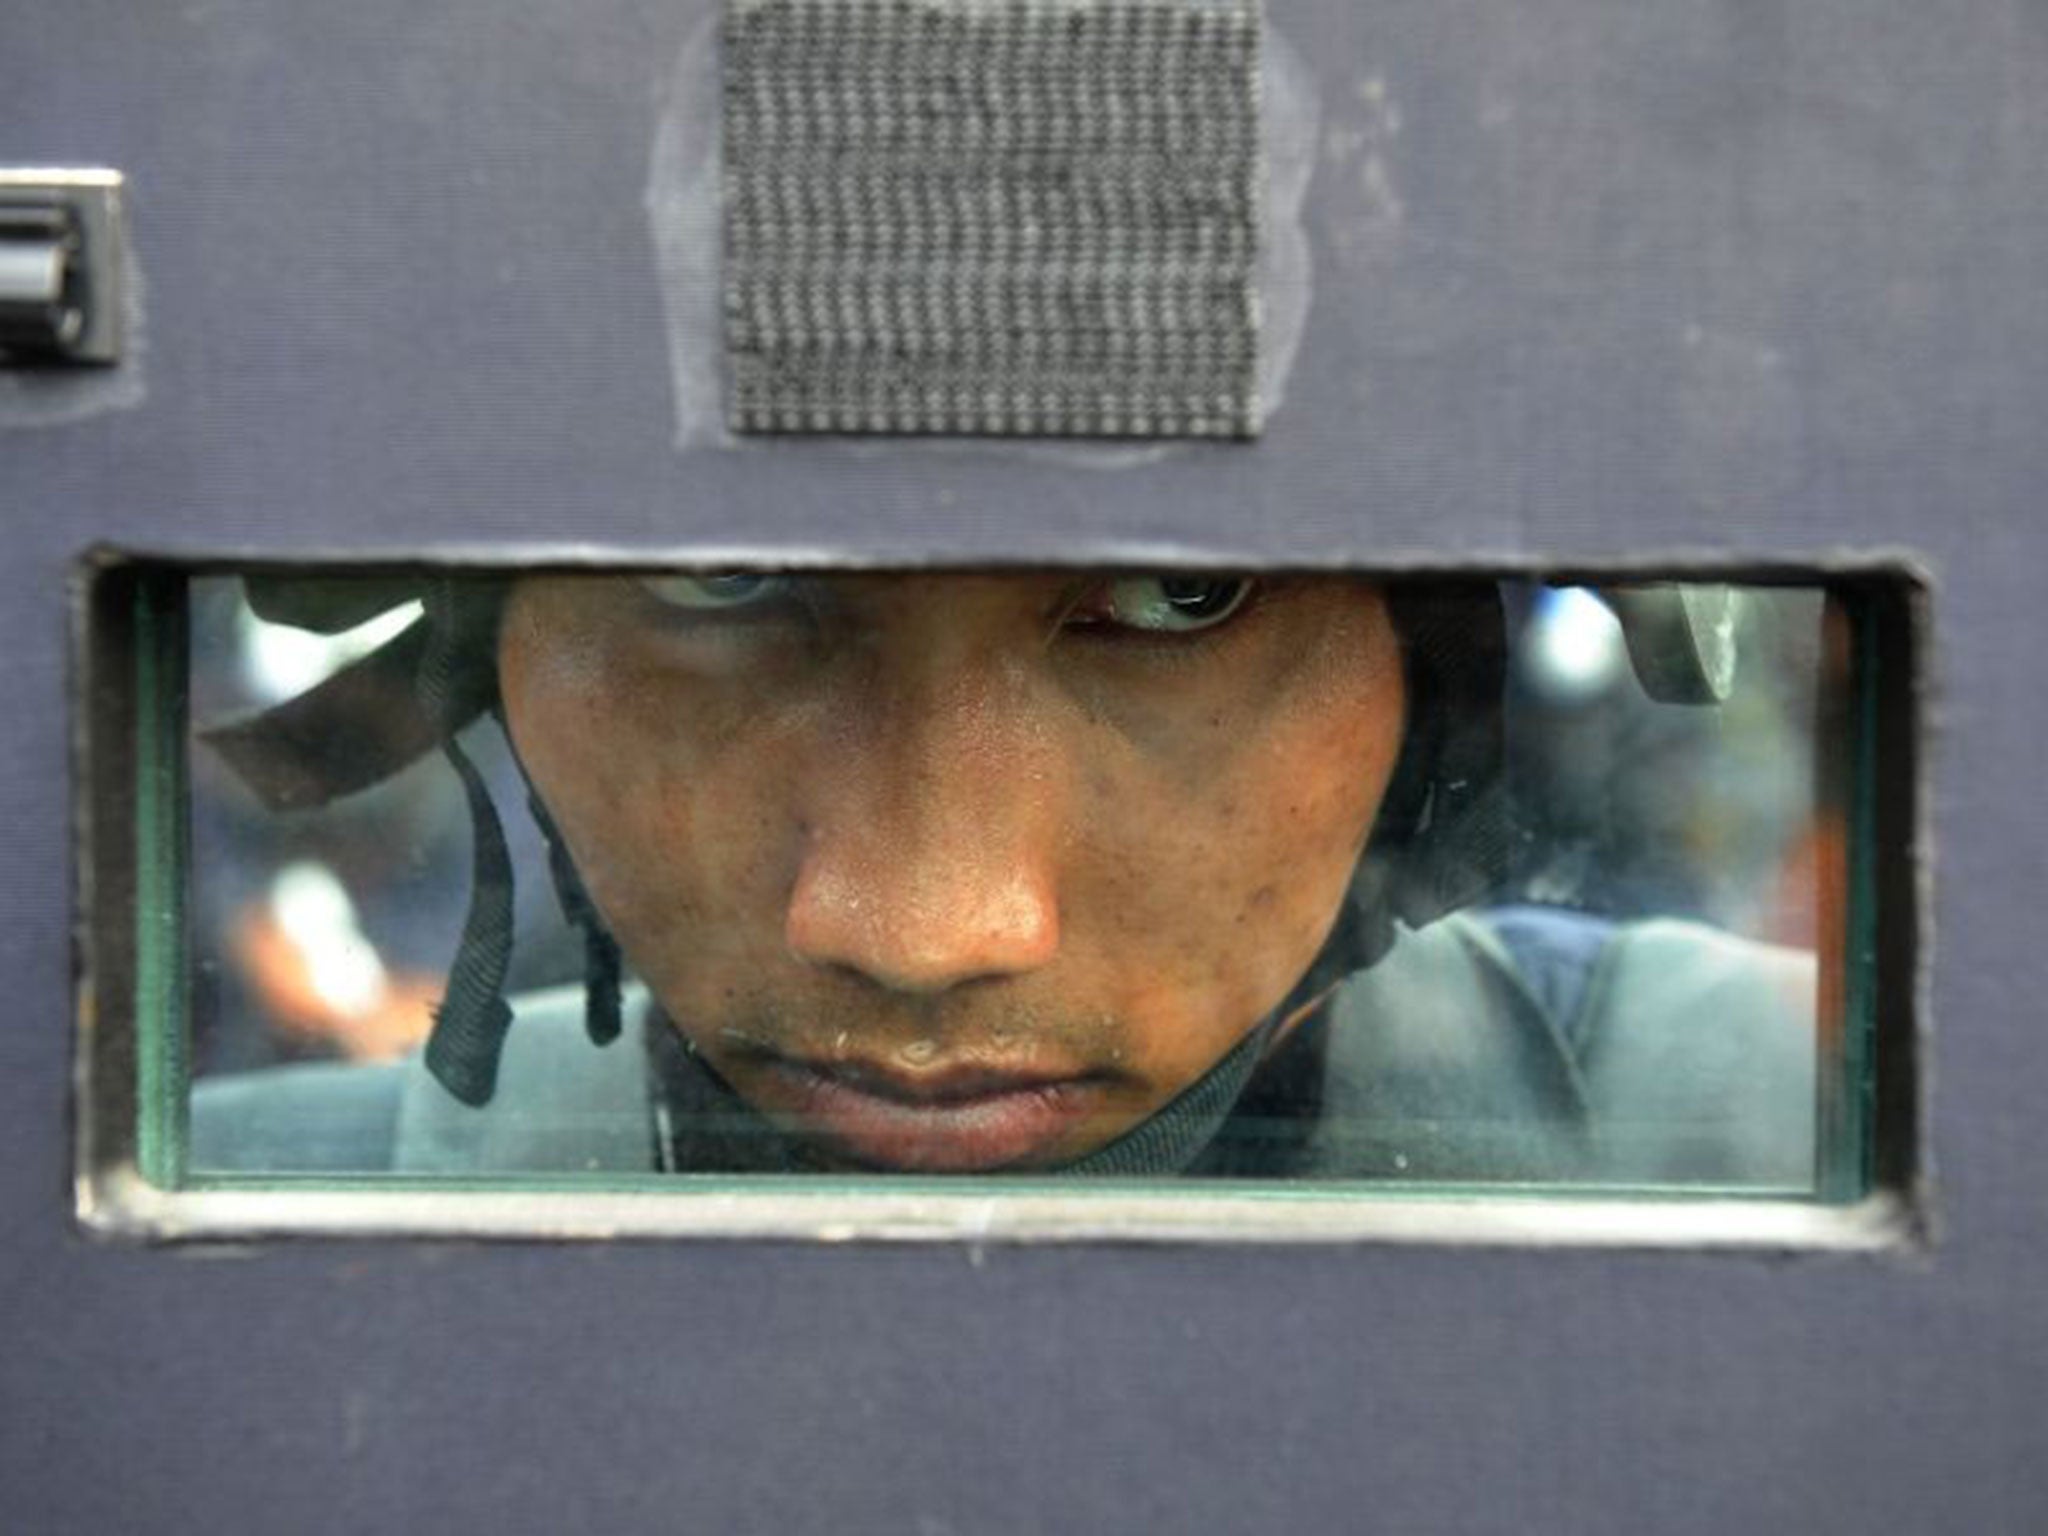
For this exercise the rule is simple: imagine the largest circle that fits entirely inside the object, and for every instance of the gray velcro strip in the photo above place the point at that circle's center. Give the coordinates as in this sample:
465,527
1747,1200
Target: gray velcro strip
1003,217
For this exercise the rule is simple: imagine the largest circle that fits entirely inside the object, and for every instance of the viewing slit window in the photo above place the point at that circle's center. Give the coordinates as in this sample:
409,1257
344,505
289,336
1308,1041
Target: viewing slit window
1192,885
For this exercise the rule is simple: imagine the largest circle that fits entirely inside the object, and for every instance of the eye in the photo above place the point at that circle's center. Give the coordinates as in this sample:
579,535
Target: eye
713,590
1163,604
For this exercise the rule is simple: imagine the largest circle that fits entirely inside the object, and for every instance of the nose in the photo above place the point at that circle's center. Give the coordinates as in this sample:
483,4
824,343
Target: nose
929,860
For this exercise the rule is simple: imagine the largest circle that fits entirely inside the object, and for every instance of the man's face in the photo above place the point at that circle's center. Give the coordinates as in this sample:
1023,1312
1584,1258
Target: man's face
953,873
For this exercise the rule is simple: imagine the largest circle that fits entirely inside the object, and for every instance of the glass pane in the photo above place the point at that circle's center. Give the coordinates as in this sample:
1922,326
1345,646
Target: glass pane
1120,874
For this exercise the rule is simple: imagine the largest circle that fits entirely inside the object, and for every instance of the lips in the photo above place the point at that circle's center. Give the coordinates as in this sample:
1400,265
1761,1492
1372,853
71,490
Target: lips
958,1120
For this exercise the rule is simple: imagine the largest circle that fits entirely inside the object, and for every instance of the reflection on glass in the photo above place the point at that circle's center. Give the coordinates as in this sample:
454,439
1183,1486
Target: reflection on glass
1141,874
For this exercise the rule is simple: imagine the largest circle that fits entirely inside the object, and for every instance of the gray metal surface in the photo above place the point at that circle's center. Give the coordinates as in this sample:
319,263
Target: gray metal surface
1594,278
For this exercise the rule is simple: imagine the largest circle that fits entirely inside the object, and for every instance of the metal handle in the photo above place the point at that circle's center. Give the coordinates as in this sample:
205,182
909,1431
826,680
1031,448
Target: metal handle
1681,638
39,290
60,266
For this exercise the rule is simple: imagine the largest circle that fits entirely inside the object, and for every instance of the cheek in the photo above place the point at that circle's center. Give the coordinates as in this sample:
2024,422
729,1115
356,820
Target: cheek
673,845
1232,876
1278,849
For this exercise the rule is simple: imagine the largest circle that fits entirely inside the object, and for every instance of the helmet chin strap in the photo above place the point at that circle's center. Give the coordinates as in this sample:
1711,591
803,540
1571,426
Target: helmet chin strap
472,1017
454,684
470,1023
602,963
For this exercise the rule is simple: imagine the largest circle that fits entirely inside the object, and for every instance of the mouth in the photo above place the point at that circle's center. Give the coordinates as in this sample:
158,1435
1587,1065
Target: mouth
955,1120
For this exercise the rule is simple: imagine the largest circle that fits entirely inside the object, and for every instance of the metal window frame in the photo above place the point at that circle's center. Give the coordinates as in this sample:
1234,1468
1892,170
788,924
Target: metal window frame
127,1175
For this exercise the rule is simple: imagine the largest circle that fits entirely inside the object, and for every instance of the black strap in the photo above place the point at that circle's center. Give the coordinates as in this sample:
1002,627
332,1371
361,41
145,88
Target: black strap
470,1023
601,960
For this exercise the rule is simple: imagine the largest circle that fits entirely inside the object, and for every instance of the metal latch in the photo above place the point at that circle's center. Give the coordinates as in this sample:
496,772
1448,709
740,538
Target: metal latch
1681,638
60,266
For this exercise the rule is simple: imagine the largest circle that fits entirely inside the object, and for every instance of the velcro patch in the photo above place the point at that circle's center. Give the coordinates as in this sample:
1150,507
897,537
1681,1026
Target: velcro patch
1001,217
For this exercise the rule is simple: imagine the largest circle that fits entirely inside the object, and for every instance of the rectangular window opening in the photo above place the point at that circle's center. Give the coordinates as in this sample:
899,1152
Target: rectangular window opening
1457,905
